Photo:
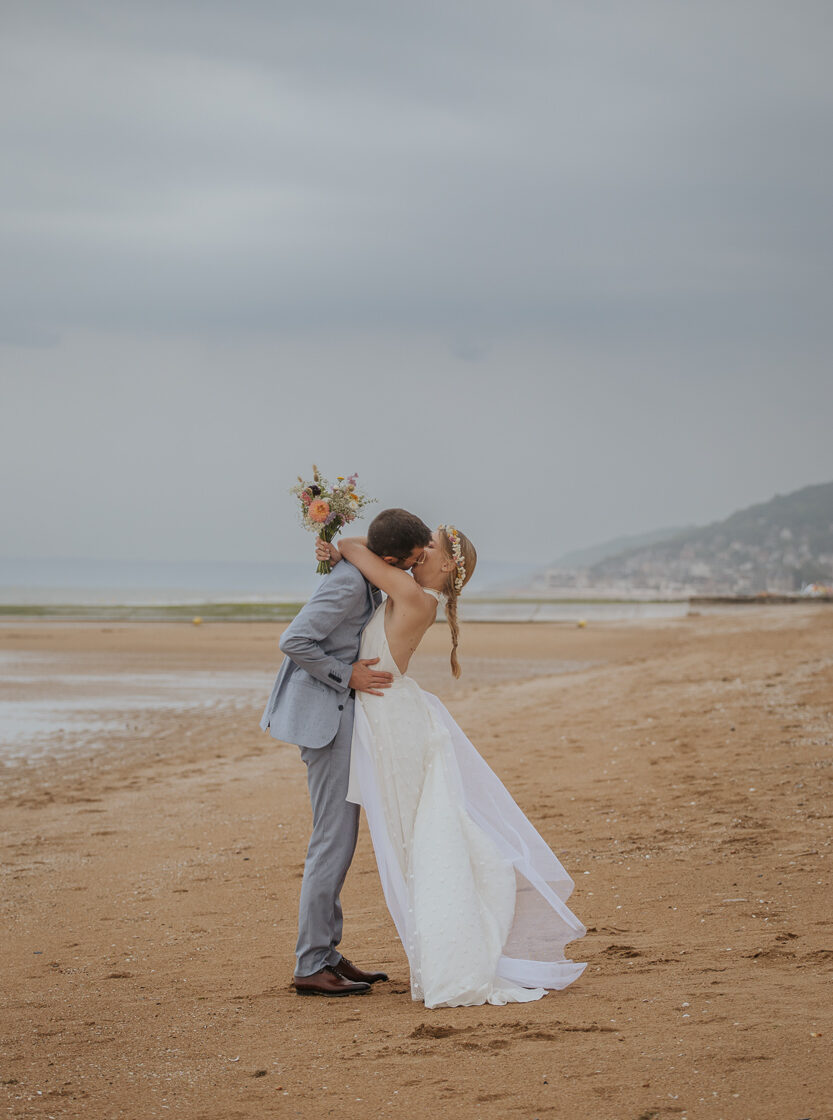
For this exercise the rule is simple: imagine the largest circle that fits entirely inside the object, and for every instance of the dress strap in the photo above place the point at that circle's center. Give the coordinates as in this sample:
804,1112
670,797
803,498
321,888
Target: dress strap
438,595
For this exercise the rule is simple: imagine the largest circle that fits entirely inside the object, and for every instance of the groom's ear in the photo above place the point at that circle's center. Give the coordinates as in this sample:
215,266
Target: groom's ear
392,560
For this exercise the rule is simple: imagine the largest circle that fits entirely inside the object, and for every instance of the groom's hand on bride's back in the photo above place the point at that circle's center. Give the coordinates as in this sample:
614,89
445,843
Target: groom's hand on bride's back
365,679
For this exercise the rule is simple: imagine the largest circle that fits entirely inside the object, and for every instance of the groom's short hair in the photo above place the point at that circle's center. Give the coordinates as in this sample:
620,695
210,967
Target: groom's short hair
395,532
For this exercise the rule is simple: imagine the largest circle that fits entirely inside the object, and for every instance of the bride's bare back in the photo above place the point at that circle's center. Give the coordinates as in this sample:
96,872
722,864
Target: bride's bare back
406,624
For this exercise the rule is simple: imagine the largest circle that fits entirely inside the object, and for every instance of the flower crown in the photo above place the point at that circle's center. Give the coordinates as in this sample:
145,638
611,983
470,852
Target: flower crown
456,555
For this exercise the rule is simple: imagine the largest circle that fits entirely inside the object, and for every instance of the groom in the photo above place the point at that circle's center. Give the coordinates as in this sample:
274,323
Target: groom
312,705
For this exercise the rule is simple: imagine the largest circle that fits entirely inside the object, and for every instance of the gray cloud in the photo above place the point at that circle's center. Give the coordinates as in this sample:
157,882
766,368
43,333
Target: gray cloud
283,165
596,238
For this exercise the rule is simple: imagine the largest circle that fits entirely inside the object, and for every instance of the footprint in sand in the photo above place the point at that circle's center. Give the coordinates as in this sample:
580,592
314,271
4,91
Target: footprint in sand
620,951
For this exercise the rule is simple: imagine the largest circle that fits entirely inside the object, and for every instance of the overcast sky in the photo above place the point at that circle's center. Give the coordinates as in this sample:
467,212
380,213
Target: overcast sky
551,271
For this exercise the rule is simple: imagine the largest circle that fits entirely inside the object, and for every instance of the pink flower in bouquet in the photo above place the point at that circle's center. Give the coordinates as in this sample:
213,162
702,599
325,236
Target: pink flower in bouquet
319,510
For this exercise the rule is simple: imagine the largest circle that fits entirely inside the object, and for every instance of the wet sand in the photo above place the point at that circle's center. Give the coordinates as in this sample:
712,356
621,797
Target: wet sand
682,770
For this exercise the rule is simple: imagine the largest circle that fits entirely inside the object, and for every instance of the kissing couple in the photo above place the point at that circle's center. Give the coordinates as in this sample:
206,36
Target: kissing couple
476,895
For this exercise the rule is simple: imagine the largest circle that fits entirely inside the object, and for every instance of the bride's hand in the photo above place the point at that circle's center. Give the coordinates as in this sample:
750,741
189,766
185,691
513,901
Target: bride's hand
324,550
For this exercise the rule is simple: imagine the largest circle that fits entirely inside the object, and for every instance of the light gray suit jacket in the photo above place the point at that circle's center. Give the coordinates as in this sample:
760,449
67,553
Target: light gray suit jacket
321,644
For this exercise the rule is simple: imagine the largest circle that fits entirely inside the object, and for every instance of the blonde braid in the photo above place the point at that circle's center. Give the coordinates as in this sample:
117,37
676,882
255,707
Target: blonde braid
458,577
454,627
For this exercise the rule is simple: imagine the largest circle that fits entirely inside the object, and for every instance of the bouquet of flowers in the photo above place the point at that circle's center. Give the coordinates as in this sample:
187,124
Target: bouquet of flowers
325,509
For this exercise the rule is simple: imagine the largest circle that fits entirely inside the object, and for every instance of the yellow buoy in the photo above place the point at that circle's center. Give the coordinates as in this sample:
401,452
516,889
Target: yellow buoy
582,622
197,621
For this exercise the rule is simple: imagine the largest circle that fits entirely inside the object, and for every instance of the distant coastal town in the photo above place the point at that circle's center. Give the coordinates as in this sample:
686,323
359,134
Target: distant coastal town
783,547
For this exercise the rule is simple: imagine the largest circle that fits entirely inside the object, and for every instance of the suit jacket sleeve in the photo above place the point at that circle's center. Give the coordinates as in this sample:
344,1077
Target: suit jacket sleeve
336,597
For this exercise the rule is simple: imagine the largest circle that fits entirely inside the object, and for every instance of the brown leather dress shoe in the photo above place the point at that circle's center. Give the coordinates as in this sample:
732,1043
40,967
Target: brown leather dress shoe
349,971
328,982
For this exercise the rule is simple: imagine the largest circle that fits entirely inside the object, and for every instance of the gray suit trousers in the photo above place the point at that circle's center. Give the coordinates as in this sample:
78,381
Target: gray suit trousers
335,829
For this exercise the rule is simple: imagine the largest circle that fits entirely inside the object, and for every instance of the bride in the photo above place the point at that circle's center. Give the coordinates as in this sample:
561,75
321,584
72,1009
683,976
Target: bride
477,897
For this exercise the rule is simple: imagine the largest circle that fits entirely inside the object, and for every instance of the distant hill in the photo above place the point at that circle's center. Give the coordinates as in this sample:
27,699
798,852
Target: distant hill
777,545
585,557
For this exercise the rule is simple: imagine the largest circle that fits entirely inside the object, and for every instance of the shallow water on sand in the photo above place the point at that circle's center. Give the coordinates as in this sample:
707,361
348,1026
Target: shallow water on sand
553,610
52,703
44,708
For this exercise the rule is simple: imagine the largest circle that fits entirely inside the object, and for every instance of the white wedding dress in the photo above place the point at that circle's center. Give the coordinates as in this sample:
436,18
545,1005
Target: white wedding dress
477,897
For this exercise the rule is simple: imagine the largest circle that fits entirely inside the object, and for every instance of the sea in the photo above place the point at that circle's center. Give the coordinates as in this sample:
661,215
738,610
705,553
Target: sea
491,595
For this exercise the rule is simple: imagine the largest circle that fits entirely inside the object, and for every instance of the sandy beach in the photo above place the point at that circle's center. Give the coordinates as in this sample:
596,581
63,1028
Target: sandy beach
681,769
